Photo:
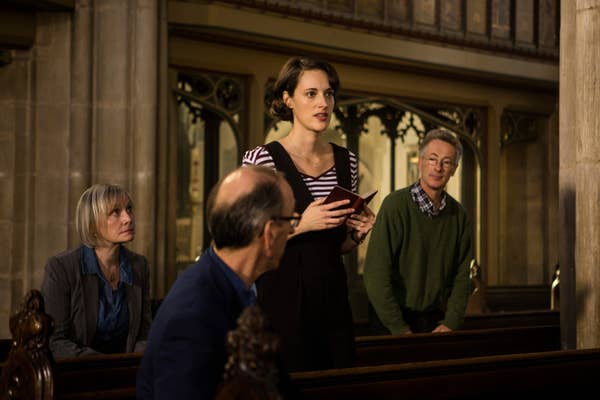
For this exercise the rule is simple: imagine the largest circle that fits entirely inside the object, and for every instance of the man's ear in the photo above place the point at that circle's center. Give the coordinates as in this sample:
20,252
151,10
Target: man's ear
454,168
268,237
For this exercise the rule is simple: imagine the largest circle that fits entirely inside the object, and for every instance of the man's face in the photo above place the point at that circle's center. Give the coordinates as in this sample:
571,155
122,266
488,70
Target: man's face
437,165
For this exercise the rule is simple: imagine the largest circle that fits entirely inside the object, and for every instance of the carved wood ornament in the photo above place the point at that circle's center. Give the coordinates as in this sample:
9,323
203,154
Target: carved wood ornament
251,371
27,373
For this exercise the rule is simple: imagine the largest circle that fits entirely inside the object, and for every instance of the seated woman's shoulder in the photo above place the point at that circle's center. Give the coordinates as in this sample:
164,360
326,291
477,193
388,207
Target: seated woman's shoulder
74,252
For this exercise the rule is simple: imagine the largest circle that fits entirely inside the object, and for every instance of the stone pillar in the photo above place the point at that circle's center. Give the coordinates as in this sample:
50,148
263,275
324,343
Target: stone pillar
77,108
50,130
143,114
567,174
15,168
124,125
587,216
80,138
162,221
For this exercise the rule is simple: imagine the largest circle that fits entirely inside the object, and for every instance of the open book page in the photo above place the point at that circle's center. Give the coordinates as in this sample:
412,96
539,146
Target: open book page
356,201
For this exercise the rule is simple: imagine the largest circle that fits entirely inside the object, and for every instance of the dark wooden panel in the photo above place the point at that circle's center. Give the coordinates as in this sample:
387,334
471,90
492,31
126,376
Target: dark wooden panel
517,298
496,319
109,376
532,375
379,350
512,319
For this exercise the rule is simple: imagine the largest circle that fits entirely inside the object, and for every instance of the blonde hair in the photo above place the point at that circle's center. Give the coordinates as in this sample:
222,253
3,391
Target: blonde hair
93,207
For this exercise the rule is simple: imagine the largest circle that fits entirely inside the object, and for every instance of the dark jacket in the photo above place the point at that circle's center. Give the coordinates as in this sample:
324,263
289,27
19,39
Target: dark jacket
186,355
71,298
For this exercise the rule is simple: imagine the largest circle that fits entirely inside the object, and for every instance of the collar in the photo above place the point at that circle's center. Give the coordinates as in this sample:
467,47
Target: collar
90,264
246,296
424,202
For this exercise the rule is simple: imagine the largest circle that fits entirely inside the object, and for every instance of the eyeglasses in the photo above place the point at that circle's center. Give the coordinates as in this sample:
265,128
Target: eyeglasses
445,163
294,220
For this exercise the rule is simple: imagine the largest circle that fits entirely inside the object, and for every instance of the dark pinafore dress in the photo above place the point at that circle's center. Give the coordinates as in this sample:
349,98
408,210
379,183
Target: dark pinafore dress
306,298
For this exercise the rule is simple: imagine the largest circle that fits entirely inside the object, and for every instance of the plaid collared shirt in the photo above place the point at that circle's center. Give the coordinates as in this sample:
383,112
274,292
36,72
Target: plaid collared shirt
424,202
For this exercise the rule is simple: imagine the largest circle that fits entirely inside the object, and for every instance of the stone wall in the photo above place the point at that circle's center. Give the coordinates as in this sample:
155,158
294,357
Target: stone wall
79,107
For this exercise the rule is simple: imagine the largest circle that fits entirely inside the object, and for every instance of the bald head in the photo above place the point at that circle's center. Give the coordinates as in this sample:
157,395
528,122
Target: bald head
241,182
241,204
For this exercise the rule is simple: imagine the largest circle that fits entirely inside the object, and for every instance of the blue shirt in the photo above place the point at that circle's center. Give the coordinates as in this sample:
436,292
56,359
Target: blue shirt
247,296
113,313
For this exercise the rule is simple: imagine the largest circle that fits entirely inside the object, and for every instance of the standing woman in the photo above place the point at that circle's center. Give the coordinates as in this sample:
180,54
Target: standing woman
307,298
98,293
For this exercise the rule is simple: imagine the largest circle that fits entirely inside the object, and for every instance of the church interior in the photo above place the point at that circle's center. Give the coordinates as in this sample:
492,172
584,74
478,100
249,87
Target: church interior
164,97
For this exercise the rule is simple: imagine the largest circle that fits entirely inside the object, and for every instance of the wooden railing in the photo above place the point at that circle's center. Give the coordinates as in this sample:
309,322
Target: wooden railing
378,350
456,364
113,376
532,375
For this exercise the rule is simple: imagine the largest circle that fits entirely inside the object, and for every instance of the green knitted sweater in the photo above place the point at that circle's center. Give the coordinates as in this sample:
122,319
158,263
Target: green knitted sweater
418,262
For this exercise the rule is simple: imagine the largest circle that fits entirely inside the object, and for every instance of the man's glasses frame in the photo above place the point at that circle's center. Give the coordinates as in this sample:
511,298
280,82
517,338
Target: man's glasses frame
445,163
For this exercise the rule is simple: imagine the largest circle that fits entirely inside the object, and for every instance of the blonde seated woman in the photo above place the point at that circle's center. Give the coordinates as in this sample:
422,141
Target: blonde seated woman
98,293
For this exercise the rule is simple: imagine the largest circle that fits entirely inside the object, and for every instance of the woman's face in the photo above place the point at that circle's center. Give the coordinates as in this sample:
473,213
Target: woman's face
312,101
119,225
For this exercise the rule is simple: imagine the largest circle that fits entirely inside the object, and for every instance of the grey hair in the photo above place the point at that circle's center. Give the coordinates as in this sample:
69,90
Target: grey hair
445,136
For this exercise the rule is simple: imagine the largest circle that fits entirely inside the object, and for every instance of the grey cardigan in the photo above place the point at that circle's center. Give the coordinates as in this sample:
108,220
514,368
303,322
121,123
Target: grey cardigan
72,300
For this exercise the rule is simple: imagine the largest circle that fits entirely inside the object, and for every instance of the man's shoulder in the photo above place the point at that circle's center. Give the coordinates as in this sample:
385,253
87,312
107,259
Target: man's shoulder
397,198
399,193
452,203
199,284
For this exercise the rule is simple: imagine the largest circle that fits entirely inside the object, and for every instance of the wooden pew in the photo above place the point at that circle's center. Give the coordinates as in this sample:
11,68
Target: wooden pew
531,375
113,376
476,321
512,319
378,350
517,298
110,376
30,372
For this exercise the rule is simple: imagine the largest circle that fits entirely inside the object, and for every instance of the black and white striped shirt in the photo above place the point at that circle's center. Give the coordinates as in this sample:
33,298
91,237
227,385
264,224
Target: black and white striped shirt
319,186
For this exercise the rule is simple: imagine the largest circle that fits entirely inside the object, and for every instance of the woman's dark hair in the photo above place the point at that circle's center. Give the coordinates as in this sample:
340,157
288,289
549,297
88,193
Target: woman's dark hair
288,80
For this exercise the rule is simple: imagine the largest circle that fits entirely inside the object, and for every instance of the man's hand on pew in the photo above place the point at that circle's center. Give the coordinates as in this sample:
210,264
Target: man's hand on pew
441,328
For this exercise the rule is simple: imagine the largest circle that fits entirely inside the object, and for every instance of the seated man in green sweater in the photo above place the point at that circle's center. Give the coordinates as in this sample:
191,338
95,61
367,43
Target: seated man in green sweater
417,264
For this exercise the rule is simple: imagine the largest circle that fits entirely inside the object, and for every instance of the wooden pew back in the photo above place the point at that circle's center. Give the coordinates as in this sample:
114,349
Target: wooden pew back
113,376
477,321
378,350
31,373
110,376
511,319
532,375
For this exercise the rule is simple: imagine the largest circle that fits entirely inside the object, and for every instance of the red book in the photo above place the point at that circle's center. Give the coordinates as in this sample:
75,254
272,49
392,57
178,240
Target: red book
357,201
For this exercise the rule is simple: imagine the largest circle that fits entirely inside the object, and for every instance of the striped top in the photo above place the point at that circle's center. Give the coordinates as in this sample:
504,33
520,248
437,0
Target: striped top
319,186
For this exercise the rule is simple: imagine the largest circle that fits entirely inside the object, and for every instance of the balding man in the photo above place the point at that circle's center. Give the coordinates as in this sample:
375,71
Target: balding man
250,215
